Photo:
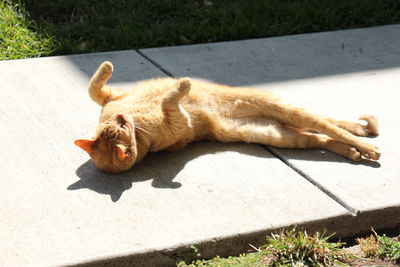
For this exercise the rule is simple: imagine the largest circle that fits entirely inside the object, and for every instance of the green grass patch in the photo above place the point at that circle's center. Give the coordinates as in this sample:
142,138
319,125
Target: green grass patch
93,26
287,248
245,260
18,35
388,248
88,26
292,248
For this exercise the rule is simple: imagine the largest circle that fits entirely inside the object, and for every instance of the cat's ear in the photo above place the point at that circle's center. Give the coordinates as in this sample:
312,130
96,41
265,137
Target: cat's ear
121,152
86,144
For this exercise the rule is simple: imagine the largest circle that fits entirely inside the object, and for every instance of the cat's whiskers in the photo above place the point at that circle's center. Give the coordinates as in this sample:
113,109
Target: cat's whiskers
141,130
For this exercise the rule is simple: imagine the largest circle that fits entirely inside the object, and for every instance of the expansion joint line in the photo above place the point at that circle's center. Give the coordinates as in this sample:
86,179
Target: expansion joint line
155,63
352,210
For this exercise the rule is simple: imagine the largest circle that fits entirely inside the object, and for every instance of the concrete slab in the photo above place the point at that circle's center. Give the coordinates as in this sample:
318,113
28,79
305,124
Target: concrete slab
364,186
57,209
302,56
341,74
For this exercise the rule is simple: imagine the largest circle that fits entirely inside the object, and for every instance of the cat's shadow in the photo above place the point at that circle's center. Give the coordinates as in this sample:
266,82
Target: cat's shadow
162,167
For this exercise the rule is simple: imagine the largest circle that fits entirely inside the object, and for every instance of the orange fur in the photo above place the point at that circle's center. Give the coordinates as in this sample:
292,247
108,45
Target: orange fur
168,113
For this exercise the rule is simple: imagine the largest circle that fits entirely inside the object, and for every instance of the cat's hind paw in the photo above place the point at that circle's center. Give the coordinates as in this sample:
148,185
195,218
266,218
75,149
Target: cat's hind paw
369,151
371,128
353,154
356,155
374,154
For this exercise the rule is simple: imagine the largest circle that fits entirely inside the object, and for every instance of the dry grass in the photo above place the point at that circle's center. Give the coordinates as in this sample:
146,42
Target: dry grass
369,245
380,246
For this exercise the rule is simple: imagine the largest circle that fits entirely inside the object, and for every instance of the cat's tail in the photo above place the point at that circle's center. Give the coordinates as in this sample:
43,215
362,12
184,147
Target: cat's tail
98,91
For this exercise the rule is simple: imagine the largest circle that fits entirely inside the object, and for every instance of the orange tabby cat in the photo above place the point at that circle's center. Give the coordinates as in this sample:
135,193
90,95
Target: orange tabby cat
168,113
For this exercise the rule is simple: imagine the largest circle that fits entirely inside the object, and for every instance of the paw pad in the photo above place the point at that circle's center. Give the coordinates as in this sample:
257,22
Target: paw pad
184,84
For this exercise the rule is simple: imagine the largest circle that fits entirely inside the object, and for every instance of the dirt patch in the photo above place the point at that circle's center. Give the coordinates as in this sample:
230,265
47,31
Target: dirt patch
360,260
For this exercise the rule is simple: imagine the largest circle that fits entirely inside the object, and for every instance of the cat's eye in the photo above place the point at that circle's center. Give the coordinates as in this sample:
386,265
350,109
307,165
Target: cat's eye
122,152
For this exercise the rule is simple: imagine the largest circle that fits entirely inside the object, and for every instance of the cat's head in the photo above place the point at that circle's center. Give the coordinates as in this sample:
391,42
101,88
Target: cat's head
113,149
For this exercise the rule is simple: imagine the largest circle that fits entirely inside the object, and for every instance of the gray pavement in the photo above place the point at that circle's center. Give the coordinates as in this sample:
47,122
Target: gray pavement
57,209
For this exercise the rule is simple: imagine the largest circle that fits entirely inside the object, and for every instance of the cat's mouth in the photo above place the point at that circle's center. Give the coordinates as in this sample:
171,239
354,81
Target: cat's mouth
123,125
125,128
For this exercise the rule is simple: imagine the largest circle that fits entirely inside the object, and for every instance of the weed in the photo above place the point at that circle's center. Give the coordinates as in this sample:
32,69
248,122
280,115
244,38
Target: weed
388,248
381,246
369,245
292,248
244,260
287,248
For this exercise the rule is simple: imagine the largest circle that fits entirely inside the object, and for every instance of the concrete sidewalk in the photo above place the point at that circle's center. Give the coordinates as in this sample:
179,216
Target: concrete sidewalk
57,209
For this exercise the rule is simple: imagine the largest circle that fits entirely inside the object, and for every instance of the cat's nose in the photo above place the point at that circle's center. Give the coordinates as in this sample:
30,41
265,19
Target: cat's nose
120,118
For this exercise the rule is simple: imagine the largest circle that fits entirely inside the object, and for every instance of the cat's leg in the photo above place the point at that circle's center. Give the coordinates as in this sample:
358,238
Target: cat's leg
278,135
266,104
302,119
369,129
98,91
174,114
323,126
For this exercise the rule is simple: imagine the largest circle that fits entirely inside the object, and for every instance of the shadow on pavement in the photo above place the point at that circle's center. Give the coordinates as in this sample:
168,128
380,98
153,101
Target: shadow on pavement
161,167
318,155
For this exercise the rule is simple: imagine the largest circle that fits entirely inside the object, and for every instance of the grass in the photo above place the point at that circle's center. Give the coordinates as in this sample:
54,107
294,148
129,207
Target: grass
245,260
91,26
18,35
369,245
287,248
388,248
380,246
296,248
293,248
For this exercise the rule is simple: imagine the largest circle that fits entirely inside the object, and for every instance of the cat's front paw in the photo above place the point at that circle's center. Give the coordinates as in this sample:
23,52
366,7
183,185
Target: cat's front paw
106,67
